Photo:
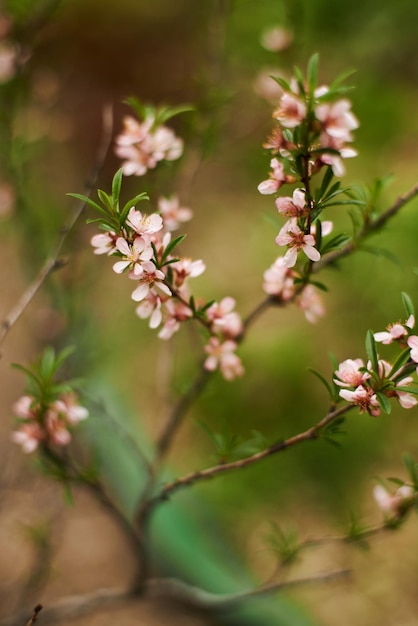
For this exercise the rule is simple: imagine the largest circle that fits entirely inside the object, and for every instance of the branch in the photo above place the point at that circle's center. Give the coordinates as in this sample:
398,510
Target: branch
53,262
75,606
189,479
368,229
38,608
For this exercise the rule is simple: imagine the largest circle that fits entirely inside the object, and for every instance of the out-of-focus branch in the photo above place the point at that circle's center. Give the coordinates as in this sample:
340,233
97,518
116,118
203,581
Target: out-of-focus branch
194,597
189,479
53,262
369,228
34,618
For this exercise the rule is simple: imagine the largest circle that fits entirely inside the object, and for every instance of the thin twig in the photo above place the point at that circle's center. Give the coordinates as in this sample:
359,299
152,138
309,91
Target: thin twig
308,435
53,262
38,608
368,229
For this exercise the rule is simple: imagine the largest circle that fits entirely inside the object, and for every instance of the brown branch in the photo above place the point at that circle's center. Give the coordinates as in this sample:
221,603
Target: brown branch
308,435
368,229
38,608
53,262
76,606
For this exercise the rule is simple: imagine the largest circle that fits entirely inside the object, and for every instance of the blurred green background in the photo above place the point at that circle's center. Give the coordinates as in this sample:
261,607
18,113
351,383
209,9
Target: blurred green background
208,52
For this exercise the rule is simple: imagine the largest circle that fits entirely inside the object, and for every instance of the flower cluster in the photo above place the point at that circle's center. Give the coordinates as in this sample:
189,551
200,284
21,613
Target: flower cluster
312,134
144,245
50,424
144,145
369,386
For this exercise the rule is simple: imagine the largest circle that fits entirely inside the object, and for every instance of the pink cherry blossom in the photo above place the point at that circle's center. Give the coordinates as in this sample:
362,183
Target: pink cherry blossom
292,236
337,119
68,409
279,280
174,313
134,254
275,141
224,319
104,243
25,408
295,206
393,504
142,146
348,373
144,224
173,213
311,304
150,279
276,180
150,307
56,427
396,331
405,399
186,268
223,355
413,344
363,397
28,436
291,111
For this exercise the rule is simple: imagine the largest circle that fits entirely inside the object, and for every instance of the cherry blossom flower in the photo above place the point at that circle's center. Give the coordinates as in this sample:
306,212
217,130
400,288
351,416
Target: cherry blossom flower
292,236
276,38
25,408
186,268
413,344
149,279
68,408
363,397
144,224
134,255
104,243
337,119
311,304
348,373
150,307
396,331
142,146
173,214
223,355
275,142
224,319
405,399
393,504
276,180
57,428
291,111
295,206
174,313
279,280
28,436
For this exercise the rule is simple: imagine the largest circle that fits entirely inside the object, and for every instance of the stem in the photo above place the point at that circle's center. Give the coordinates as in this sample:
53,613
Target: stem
53,262
308,435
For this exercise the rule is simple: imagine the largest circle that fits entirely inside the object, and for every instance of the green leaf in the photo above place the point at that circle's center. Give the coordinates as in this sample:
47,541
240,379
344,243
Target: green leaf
312,72
324,382
116,186
411,468
400,361
131,203
384,402
282,82
163,114
175,242
371,351
326,180
335,243
408,304
106,200
88,201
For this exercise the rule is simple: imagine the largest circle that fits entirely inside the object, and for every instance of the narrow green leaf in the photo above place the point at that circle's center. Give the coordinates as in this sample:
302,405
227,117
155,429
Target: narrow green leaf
408,304
175,242
400,361
312,72
88,201
116,186
323,381
282,82
130,204
384,402
106,200
335,243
